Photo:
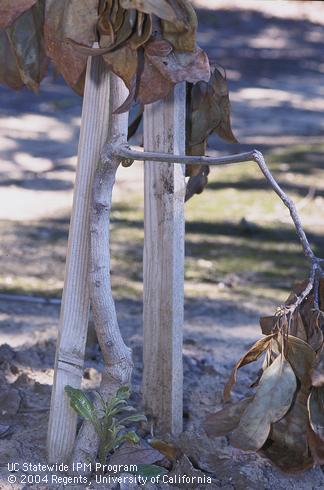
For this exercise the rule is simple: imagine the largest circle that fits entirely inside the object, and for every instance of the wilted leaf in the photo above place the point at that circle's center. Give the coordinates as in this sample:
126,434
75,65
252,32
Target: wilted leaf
267,324
160,8
182,66
301,357
316,411
287,445
9,73
197,182
182,35
317,373
140,453
26,38
211,110
316,445
11,9
151,77
226,420
69,19
250,356
271,402
123,62
170,451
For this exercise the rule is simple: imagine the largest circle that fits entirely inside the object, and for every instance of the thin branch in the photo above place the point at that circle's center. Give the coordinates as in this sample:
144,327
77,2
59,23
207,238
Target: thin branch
125,153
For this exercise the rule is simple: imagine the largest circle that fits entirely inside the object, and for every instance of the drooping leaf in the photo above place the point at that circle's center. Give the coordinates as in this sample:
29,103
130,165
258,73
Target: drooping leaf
141,453
210,110
182,35
11,9
271,402
250,356
26,38
151,77
169,450
316,410
300,355
197,182
69,19
287,446
317,373
161,8
316,446
179,66
226,420
9,72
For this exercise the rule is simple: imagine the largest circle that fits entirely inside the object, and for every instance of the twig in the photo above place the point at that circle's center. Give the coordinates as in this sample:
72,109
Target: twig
124,152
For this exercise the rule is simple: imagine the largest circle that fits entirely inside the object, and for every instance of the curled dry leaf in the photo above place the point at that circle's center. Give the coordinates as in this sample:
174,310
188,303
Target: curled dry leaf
300,355
251,355
287,446
316,446
169,450
177,67
226,420
181,34
197,182
271,402
316,411
161,8
69,19
9,73
26,39
210,110
317,373
11,9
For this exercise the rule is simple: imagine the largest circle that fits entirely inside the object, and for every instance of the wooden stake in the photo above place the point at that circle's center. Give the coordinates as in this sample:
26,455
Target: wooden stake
117,356
164,131
75,300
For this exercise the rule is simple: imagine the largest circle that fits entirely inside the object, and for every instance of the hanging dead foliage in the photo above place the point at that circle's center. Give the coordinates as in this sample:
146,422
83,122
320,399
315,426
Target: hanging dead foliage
284,420
150,45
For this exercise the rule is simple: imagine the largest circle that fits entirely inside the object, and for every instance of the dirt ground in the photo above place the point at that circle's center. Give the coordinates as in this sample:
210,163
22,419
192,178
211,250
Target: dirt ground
242,254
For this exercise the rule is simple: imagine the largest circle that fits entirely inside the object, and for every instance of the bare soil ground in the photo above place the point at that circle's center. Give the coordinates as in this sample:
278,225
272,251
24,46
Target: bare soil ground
242,253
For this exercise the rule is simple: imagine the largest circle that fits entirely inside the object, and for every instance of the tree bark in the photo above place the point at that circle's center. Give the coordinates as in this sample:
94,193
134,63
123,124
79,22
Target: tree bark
117,356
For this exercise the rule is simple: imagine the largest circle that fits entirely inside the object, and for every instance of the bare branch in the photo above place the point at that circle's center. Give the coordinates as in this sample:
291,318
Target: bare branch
124,152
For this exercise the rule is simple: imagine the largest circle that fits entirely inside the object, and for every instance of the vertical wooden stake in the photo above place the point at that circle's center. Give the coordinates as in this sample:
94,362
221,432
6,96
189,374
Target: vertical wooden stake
75,301
164,130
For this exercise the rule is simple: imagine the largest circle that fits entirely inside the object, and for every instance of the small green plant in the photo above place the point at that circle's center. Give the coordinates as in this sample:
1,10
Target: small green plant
109,420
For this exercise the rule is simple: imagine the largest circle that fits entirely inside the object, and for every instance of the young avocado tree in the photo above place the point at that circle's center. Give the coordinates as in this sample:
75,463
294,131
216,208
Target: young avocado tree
125,53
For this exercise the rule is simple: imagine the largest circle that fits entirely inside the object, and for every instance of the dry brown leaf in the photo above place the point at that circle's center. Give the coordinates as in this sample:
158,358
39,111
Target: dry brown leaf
27,43
302,359
182,35
250,356
287,445
161,8
316,445
151,77
170,451
210,110
9,73
226,420
317,373
69,19
10,10
267,324
181,66
141,453
271,402
316,410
